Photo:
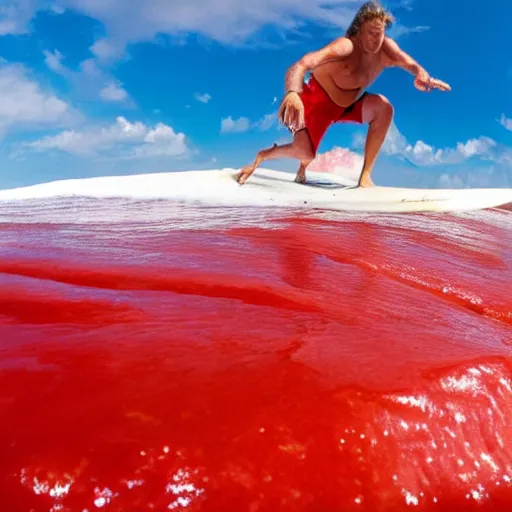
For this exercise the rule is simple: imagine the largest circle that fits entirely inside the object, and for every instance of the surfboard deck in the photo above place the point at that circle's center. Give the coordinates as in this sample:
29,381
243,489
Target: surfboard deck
266,188
325,190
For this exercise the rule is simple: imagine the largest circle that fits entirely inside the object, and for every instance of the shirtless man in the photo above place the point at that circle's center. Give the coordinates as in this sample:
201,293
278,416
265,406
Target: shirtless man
335,93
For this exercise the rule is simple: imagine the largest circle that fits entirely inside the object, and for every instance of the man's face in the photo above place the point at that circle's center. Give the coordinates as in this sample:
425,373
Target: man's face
372,35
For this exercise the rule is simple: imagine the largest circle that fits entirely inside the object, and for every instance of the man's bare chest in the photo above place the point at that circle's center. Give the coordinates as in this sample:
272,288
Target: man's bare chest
353,73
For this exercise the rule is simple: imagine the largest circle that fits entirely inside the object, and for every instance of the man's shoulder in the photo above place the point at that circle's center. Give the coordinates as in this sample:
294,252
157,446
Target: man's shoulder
344,44
390,45
390,52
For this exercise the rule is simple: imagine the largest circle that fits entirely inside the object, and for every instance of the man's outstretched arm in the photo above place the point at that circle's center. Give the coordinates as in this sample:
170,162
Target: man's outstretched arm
395,56
341,47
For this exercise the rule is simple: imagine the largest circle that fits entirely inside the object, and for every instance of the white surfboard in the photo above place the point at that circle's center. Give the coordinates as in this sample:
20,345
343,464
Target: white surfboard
326,190
266,188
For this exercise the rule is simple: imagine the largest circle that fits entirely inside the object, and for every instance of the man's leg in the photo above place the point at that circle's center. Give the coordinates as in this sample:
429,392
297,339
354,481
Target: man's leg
378,112
301,149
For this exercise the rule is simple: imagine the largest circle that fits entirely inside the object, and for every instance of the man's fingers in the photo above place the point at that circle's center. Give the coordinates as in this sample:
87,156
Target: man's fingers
289,116
293,116
280,113
439,84
445,86
286,116
302,120
296,117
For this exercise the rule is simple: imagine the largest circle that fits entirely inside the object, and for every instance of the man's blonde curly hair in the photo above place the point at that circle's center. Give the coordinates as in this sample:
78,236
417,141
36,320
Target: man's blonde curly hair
369,11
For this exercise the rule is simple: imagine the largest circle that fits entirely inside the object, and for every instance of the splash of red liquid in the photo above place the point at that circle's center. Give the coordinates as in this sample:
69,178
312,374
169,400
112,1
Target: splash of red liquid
314,366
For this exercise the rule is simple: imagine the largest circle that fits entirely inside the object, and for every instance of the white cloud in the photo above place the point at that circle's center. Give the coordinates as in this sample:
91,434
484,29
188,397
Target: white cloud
244,124
225,21
90,68
505,122
57,9
398,31
393,172
203,98
421,153
23,103
230,125
113,92
104,50
266,122
122,139
15,15
91,78
485,176
54,61
425,154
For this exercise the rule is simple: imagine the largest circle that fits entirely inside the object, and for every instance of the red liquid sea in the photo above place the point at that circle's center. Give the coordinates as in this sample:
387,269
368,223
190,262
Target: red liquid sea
164,357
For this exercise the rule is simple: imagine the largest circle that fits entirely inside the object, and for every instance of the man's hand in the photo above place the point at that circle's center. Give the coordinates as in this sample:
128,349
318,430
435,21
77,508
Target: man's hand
291,112
439,84
422,81
425,83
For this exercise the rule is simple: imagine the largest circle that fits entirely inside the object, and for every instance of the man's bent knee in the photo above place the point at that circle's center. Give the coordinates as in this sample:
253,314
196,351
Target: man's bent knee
377,106
385,107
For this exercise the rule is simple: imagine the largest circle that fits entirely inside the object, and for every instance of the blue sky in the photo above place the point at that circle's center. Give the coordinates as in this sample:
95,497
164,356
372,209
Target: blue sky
91,88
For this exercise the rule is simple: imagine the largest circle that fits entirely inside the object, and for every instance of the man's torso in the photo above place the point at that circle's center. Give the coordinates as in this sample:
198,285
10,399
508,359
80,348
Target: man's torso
345,79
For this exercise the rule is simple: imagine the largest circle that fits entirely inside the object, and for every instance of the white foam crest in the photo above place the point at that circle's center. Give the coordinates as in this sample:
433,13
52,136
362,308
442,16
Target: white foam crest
445,226
126,215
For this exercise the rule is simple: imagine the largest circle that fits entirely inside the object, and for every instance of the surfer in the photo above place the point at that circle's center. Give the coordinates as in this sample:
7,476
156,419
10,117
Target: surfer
340,73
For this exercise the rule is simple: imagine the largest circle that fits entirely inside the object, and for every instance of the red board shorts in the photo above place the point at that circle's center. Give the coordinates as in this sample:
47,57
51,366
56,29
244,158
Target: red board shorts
320,111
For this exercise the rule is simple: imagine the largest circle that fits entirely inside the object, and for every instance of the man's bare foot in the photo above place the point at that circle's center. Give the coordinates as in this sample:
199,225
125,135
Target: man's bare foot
301,177
244,174
301,173
366,182
246,171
